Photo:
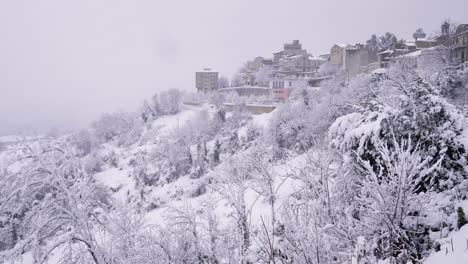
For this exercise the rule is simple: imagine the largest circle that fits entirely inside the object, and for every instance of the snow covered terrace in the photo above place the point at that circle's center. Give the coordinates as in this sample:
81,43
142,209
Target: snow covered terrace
248,90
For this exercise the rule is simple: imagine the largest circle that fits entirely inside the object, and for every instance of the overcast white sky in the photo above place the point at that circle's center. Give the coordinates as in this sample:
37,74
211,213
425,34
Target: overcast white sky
63,63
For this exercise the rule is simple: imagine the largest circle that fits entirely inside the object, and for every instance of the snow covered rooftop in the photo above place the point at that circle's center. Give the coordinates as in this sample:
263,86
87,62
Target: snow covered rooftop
413,54
380,70
341,45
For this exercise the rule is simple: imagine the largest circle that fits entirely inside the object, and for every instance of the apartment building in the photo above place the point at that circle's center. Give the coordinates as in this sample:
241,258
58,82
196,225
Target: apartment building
206,80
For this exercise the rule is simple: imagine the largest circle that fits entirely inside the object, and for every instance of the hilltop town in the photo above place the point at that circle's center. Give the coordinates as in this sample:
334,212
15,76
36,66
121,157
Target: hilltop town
294,67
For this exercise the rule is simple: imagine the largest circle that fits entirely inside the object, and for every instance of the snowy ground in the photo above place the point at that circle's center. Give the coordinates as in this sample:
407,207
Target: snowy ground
459,254
178,194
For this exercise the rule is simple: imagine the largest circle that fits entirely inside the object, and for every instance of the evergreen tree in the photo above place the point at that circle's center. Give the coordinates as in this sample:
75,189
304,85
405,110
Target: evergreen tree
461,217
205,152
189,157
216,152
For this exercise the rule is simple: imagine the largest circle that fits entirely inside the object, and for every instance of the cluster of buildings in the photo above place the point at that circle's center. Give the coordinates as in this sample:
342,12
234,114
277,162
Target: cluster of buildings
293,67
289,68
358,58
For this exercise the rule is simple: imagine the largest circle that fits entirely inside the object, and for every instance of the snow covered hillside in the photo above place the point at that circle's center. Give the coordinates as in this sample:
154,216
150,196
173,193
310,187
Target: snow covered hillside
368,171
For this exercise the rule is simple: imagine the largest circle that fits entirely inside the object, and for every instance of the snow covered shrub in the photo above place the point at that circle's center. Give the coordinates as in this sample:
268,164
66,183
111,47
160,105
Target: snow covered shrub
199,189
249,134
123,127
286,130
202,127
141,171
92,163
166,162
8,231
84,142
132,135
392,190
200,161
111,158
301,122
149,113
126,229
432,61
421,114
235,120
453,84
217,99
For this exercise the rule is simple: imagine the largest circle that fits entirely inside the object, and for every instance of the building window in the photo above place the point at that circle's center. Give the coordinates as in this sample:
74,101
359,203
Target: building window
290,83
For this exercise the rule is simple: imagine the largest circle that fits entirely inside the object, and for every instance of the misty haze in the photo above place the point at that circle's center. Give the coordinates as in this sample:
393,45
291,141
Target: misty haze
309,132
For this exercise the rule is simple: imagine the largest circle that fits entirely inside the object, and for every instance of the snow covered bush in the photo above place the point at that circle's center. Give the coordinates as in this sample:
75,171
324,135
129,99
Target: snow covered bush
92,163
405,141
421,114
125,128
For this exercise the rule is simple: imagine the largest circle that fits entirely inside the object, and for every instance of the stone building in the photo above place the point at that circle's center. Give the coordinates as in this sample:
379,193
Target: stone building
426,43
206,80
299,63
460,44
444,37
289,49
354,58
351,58
336,54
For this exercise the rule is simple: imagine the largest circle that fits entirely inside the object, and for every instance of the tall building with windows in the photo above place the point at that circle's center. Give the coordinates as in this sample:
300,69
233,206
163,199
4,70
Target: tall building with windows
460,44
206,80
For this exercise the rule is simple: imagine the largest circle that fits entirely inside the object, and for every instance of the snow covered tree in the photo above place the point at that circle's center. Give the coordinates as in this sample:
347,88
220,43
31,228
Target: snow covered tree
387,41
419,34
148,114
84,142
124,128
232,184
156,105
266,181
55,206
461,219
126,228
372,45
216,152
223,82
170,101
389,197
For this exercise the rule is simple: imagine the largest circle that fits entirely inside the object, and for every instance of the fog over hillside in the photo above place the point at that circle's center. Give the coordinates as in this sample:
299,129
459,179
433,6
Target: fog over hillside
63,64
